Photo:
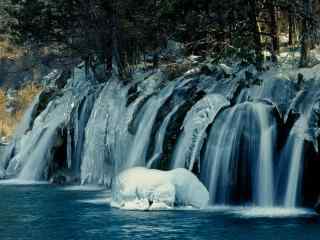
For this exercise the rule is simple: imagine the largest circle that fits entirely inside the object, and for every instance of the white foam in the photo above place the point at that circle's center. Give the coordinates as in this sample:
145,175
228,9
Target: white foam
219,208
97,201
21,182
102,198
274,212
83,188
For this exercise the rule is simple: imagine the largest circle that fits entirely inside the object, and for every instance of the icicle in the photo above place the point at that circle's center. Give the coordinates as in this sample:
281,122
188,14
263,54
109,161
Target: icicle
194,130
69,148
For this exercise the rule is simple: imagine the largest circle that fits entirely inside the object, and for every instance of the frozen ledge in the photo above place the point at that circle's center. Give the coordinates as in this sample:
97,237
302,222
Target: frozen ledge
148,189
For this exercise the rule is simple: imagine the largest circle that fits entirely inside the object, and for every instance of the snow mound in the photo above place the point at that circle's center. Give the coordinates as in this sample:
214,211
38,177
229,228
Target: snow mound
148,189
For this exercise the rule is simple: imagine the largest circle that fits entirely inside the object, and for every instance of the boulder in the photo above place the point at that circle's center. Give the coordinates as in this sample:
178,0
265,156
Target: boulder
58,179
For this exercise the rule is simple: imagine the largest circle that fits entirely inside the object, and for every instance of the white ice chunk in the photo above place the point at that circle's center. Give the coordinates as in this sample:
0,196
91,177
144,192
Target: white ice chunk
148,189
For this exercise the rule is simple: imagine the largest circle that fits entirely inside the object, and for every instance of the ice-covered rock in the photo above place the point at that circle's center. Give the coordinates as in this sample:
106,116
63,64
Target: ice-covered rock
195,124
147,189
174,49
11,105
57,78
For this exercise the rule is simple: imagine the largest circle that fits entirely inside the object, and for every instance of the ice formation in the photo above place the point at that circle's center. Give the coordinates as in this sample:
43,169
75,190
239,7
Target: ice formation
146,189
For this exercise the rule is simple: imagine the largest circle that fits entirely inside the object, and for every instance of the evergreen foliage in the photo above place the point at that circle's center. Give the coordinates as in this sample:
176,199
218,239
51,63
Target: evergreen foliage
121,31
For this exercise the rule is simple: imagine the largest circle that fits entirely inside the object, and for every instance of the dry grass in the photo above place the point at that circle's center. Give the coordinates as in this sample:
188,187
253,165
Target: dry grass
7,50
25,95
175,70
9,121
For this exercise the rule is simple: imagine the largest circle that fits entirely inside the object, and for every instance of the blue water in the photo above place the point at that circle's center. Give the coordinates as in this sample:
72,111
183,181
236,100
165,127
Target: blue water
46,212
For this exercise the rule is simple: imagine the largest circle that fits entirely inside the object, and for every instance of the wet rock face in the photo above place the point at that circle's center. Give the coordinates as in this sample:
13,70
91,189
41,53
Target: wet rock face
59,180
317,207
2,171
310,190
64,178
57,79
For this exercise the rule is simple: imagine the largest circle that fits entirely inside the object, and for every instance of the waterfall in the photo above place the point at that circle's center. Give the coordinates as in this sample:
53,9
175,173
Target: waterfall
109,146
79,123
28,117
160,137
238,162
265,186
293,151
140,144
38,158
25,125
305,128
217,154
41,134
40,142
102,129
222,131
294,179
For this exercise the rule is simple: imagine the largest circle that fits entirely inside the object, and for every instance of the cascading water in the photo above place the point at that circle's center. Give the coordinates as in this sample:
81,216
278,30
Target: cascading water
38,158
37,152
293,151
227,133
306,105
109,145
160,137
137,155
79,123
25,125
265,171
32,160
294,177
103,125
213,158
235,172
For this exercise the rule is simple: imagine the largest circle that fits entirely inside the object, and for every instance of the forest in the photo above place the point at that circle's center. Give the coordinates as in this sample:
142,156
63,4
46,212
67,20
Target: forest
123,31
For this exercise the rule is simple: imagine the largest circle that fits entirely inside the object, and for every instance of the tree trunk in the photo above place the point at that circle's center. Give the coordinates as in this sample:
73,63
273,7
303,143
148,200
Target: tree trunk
109,61
305,32
253,14
274,31
292,26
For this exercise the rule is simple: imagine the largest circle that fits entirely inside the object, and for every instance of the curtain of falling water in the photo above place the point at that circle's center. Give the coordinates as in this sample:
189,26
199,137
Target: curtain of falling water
236,156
